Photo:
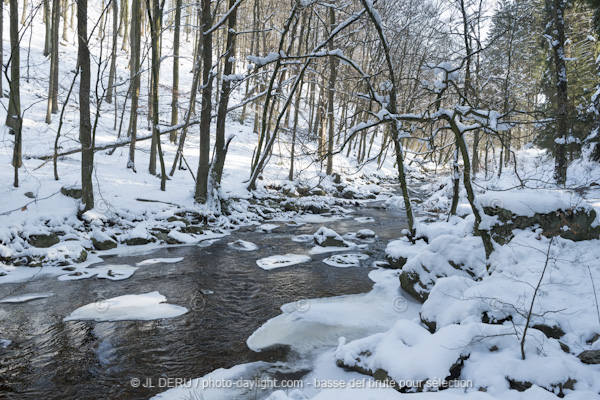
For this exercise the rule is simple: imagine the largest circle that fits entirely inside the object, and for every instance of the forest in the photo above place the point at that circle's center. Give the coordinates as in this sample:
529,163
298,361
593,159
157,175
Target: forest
300,199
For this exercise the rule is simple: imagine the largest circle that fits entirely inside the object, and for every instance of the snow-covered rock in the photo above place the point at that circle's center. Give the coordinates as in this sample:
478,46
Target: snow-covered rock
326,237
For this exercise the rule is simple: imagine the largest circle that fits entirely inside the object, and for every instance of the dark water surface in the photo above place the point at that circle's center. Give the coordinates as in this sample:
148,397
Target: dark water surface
52,359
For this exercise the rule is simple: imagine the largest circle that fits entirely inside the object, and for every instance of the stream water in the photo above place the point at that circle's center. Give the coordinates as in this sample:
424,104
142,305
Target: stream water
228,295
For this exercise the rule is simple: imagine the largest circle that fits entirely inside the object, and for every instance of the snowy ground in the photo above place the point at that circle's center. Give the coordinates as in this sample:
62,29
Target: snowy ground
37,206
379,330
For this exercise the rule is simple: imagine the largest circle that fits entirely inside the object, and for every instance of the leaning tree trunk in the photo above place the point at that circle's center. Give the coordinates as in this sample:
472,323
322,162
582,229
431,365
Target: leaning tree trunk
85,124
220,146
393,110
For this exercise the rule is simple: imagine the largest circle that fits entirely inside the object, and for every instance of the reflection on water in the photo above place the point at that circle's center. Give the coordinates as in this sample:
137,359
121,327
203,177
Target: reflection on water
51,359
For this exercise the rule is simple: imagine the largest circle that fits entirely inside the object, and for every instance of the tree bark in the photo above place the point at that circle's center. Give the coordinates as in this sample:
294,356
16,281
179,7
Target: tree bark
85,125
175,91
155,29
113,56
13,118
134,70
205,113
557,13
331,93
53,87
220,147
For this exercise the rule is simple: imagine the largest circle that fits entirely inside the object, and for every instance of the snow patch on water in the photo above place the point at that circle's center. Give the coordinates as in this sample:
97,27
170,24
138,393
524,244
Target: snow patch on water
25,297
309,324
153,261
280,261
242,245
132,307
345,260
112,272
267,228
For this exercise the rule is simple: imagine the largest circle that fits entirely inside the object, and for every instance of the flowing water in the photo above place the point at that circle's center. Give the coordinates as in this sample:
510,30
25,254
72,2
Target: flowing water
228,295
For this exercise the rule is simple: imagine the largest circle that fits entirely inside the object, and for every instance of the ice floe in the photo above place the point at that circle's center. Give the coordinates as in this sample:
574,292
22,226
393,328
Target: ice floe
131,307
279,261
242,245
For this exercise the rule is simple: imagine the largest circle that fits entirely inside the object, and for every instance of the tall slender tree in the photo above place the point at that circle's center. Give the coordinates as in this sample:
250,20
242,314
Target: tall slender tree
85,124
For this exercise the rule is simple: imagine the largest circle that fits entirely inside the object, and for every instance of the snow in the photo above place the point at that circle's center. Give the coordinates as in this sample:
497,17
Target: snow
324,234
364,219
140,307
267,228
112,272
152,261
22,298
528,202
308,324
345,260
280,261
303,238
210,386
242,245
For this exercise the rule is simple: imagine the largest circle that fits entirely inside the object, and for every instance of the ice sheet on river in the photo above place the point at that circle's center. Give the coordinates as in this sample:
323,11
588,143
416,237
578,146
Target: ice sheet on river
132,307
308,324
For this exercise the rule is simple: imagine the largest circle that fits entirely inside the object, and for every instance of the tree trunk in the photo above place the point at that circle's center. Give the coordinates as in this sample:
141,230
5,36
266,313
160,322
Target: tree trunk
205,113
134,70
48,25
85,125
24,16
175,92
557,8
53,87
65,9
331,93
13,118
126,25
113,56
155,29
229,56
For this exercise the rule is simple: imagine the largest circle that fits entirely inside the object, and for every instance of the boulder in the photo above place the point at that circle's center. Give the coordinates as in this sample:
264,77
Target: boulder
104,245
44,240
365,234
590,357
551,332
410,281
197,230
138,241
75,193
326,237
570,222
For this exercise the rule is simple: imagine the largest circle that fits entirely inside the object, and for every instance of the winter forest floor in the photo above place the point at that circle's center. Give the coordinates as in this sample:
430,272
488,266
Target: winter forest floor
289,284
